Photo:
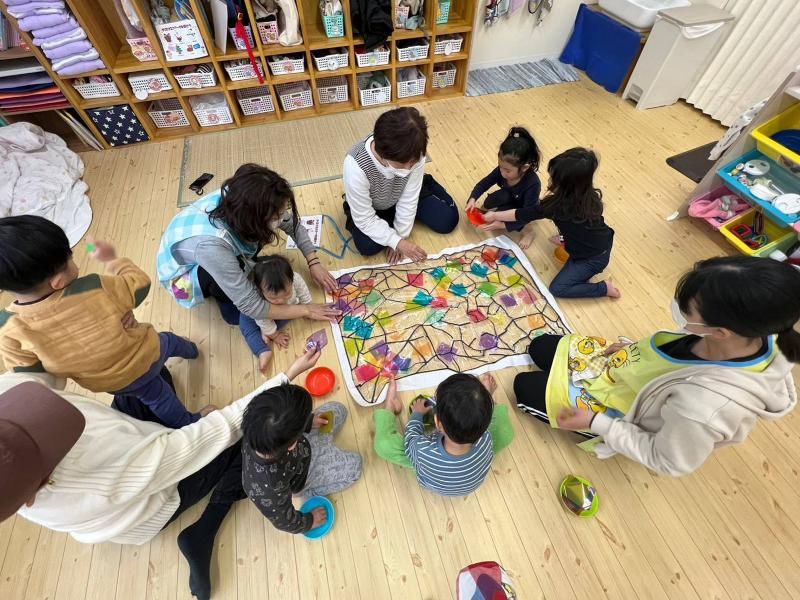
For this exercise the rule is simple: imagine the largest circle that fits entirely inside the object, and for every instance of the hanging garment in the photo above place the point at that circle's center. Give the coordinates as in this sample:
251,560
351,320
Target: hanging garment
288,24
540,9
372,19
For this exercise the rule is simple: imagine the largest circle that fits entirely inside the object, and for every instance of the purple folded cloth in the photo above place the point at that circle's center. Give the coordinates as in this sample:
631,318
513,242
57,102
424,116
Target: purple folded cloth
76,35
82,67
44,7
47,32
75,58
68,50
39,21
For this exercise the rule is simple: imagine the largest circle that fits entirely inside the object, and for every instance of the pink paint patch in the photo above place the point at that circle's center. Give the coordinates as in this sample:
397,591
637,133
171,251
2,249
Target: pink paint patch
439,302
526,296
366,284
476,315
415,279
365,373
359,308
489,255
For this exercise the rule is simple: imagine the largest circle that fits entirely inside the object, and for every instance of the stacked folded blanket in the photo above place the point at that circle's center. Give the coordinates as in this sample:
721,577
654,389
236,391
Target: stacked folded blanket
58,34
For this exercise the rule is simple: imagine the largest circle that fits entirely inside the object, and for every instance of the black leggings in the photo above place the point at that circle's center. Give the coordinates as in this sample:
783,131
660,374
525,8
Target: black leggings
531,387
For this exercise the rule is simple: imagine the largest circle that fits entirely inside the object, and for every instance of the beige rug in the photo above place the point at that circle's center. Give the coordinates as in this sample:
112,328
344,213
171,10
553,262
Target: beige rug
304,151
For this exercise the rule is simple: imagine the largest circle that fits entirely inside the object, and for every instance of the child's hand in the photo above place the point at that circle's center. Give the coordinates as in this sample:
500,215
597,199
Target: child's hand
207,410
128,320
322,312
303,363
575,420
281,339
471,203
320,517
103,251
319,421
488,382
614,348
420,407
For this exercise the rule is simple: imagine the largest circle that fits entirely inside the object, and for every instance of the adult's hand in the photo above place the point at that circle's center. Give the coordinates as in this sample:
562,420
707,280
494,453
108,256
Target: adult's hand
393,256
323,278
322,312
303,363
412,251
575,420
493,226
129,320
471,203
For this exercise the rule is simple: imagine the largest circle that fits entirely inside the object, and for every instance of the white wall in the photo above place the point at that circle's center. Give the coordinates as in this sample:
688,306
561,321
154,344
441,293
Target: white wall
514,39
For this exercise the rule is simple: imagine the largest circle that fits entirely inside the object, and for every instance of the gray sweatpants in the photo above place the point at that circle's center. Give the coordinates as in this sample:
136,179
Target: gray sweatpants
332,469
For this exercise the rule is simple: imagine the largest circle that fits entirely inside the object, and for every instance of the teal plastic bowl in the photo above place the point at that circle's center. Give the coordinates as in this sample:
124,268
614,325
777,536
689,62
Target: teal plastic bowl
311,504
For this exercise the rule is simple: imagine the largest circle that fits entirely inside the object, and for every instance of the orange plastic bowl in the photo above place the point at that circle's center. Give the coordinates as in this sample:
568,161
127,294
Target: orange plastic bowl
320,381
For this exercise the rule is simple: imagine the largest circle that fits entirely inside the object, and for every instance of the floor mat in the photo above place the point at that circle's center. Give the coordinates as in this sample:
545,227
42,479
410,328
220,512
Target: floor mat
519,77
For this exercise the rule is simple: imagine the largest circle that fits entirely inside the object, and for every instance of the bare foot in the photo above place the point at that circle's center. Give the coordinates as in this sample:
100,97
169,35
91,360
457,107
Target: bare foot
527,239
393,404
263,361
613,291
556,240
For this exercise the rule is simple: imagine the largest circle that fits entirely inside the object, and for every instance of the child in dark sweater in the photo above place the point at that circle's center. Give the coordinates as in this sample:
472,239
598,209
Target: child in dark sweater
576,207
515,175
284,453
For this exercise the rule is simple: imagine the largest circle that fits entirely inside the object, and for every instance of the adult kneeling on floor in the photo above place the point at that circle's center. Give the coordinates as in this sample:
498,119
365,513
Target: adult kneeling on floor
386,188
669,400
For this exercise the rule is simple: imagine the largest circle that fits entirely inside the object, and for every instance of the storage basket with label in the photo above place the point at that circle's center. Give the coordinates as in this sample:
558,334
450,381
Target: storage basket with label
443,12
444,75
295,96
255,101
332,90
211,109
374,88
330,60
240,70
195,77
95,89
376,57
448,44
268,30
168,113
286,65
149,82
410,82
412,50
239,41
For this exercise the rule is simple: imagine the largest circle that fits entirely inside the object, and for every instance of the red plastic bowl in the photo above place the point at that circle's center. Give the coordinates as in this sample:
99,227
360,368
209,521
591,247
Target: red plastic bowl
320,381
475,217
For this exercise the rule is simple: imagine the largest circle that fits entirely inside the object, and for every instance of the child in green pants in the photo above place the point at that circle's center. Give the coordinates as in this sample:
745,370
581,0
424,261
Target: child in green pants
455,459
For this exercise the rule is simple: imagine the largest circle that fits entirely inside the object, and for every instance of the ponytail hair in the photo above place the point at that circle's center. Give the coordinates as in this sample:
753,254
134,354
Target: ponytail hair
520,149
752,297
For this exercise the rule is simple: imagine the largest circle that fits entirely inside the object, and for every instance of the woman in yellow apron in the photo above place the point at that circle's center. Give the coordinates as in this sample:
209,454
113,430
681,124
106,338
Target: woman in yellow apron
668,400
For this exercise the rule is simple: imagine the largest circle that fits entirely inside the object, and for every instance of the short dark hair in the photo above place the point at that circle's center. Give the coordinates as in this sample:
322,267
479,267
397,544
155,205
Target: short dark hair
276,418
401,135
752,297
32,250
464,408
520,149
273,272
253,197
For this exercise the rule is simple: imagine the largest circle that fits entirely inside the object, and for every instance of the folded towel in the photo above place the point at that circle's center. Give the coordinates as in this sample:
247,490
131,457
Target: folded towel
48,32
61,39
34,5
68,50
39,21
29,12
81,67
75,58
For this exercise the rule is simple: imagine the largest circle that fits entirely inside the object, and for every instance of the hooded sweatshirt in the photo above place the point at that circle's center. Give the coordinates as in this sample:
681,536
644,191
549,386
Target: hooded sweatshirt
677,420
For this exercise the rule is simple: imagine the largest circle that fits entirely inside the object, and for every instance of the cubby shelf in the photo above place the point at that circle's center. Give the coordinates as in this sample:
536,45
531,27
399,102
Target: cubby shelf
101,22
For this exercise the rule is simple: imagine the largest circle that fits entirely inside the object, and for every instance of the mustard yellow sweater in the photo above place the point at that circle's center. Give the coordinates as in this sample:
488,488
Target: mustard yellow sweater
77,332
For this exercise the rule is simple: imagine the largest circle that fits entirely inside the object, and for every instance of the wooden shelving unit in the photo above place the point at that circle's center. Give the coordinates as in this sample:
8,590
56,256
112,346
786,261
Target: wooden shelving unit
101,23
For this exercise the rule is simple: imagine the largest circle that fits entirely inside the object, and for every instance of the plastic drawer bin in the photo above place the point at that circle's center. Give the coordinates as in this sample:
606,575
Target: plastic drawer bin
717,222
788,119
779,238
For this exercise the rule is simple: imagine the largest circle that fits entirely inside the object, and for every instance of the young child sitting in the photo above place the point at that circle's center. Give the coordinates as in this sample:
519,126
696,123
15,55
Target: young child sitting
71,326
514,204
278,284
470,429
284,453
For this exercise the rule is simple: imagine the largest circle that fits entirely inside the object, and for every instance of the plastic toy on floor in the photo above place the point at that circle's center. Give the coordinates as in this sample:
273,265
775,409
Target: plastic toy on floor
323,530
320,381
427,418
579,496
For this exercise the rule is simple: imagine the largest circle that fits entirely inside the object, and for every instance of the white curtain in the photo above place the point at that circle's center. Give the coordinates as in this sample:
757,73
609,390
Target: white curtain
762,48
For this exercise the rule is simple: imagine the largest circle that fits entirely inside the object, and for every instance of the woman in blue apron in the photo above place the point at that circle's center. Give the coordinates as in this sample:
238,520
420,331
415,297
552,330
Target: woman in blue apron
207,250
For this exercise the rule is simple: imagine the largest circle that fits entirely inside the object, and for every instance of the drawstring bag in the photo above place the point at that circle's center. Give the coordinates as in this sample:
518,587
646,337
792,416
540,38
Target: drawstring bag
484,581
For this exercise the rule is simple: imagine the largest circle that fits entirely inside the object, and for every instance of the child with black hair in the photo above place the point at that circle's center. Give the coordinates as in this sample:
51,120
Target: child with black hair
278,284
515,203
72,326
470,429
284,453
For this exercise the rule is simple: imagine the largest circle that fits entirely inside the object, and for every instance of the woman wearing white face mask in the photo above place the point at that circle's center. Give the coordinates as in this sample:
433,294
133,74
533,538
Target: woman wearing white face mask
670,399
386,188
207,250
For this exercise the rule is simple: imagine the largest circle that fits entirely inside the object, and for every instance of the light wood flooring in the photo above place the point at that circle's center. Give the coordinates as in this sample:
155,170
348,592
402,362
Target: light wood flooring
731,530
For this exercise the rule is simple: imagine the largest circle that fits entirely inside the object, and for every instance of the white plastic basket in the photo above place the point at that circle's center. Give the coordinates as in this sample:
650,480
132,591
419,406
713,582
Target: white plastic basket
288,66
449,45
211,110
189,81
239,42
241,72
331,62
375,96
295,96
255,101
374,58
97,90
332,90
415,52
268,30
412,87
149,82
445,76
168,113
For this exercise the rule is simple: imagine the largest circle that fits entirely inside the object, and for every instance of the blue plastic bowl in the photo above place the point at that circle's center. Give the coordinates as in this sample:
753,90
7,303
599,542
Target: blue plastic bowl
311,504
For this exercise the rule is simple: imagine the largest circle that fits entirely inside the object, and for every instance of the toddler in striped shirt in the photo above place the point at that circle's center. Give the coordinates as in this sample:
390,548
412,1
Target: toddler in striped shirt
455,459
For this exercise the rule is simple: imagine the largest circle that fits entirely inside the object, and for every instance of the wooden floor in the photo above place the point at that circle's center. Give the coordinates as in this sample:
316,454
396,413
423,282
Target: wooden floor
731,530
